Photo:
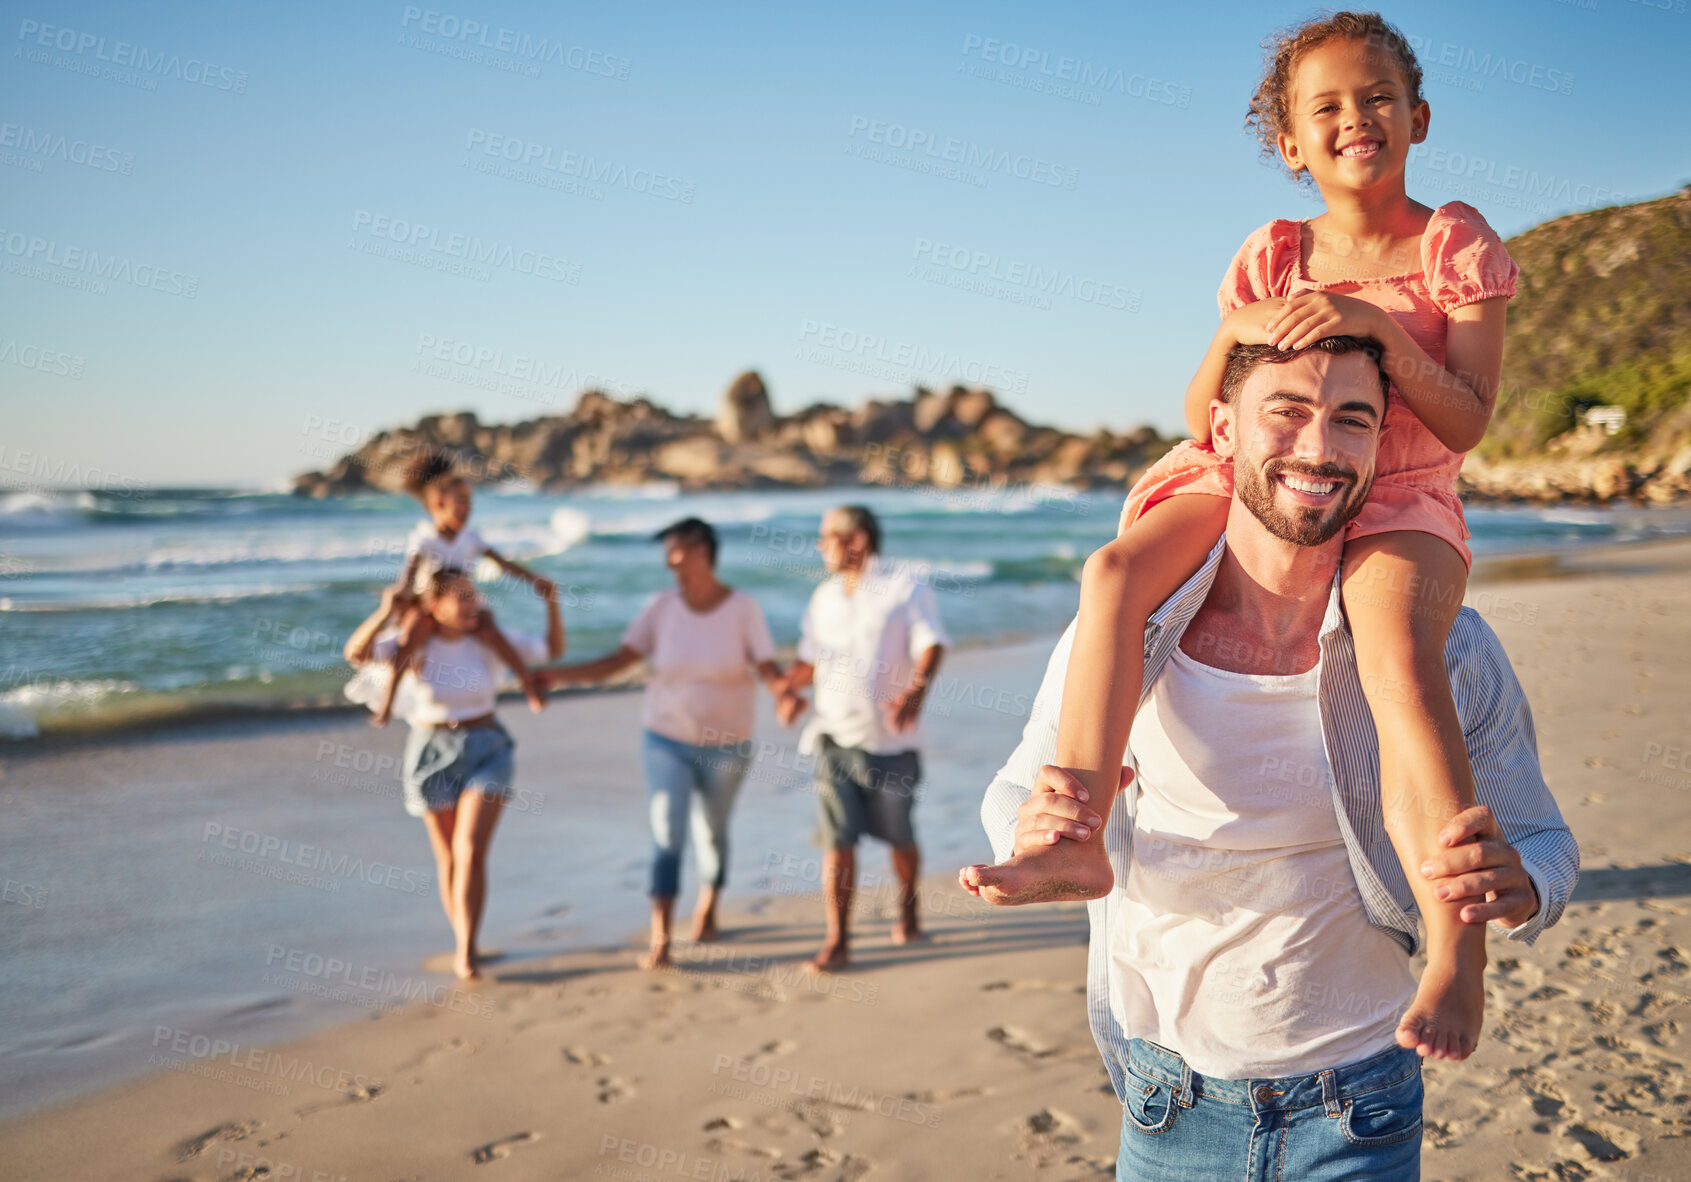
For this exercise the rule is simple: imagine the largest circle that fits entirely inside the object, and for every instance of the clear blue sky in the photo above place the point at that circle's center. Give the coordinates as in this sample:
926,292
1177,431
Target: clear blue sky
325,124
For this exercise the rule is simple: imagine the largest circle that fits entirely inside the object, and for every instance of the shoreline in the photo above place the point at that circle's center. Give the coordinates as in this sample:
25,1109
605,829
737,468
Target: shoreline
163,714
1581,1070
293,798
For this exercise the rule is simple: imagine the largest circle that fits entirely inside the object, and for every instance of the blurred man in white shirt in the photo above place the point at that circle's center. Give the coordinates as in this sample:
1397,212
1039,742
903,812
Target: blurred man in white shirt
871,643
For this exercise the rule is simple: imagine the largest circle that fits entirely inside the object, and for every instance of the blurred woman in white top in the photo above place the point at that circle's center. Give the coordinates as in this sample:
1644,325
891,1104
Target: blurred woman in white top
458,763
708,646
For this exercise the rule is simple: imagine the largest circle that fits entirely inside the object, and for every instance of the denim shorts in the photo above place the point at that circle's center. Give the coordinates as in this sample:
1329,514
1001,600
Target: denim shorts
441,764
1356,1123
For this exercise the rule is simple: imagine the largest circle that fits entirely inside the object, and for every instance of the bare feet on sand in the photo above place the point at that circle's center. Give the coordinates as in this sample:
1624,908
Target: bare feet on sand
1048,874
466,965
908,934
1443,1022
705,929
908,929
833,957
656,957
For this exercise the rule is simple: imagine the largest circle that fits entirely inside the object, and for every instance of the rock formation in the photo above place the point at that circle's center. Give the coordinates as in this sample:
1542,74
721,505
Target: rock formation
950,439
745,416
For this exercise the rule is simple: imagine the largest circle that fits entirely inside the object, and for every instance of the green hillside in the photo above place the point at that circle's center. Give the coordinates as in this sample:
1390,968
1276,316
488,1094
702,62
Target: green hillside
1603,317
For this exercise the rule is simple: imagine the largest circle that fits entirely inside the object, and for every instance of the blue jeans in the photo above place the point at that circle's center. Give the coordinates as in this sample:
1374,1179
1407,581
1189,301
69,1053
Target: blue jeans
686,779
1358,1123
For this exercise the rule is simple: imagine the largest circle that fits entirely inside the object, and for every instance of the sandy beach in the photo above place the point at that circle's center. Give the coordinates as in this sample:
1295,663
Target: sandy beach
964,1057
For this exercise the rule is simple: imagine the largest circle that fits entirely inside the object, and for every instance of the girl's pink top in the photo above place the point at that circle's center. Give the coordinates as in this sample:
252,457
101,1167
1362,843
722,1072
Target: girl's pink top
1463,261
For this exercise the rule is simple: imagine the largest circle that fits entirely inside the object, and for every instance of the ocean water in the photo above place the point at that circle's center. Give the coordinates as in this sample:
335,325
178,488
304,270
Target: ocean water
185,601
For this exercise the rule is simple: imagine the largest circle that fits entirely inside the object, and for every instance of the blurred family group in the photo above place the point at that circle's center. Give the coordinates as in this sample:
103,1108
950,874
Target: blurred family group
870,645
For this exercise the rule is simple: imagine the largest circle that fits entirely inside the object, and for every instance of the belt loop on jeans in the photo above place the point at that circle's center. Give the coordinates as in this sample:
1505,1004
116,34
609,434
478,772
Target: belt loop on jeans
1330,1093
1185,1097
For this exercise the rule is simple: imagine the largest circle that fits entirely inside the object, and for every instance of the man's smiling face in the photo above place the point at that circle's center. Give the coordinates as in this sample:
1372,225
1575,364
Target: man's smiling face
1303,435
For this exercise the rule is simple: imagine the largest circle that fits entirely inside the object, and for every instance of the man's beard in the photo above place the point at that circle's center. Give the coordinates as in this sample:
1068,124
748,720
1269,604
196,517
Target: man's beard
1302,525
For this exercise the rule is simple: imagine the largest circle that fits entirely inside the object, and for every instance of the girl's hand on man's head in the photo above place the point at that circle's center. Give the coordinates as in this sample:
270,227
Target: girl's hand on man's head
1315,315
1249,323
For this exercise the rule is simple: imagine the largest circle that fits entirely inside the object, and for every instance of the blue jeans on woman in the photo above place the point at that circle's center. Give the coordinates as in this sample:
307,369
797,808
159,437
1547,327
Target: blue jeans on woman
688,780
1357,1123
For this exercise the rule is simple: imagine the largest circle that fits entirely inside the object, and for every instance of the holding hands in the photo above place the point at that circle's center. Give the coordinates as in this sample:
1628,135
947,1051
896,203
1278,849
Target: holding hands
789,706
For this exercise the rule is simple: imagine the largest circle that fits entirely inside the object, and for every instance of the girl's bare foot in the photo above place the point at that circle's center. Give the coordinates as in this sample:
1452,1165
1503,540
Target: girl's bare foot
1050,874
1444,1020
656,957
833,957
465,965
705,929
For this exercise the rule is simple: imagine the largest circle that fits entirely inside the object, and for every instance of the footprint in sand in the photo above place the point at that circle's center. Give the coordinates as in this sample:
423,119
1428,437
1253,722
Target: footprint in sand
812,1119
614,1090
1020,1040
1045,1136
1663,1034
232,1131
1602,1012
1556,1171
946,1096
494,1150
846,1167
451,1044
1544,1098
1441,1134
355,1095
719,1145
1602,1141
582,1057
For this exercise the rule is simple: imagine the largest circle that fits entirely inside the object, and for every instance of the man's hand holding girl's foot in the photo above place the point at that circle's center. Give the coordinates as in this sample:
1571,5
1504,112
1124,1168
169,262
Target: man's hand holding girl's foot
1480,870
1045,868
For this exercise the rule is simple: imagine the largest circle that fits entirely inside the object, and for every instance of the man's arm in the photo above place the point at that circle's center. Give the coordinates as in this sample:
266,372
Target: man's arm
903,710
1014,782
927,643
1508,781
591,671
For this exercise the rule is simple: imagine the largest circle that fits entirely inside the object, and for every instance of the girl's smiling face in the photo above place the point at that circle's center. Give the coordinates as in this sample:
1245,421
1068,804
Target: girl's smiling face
1352,117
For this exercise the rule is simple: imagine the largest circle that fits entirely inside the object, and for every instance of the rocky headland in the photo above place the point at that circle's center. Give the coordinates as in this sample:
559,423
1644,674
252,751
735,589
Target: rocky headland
1594,406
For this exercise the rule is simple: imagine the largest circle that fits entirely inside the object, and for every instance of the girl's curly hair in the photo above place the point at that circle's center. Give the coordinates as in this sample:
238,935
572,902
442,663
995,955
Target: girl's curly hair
1270,113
